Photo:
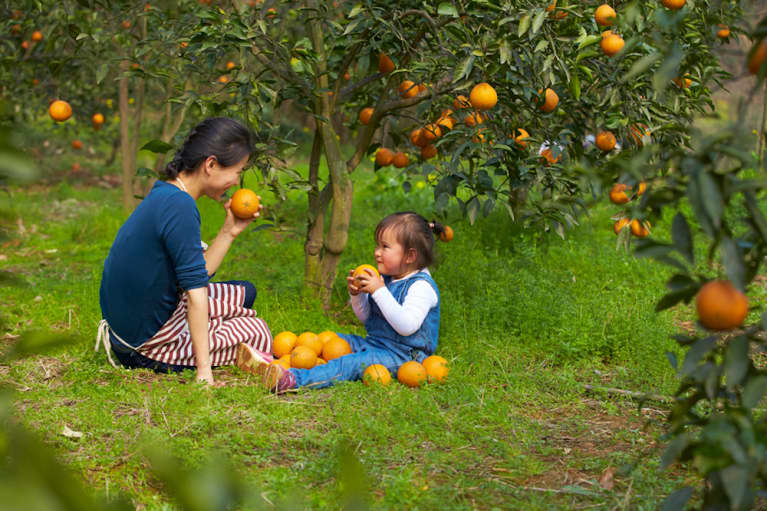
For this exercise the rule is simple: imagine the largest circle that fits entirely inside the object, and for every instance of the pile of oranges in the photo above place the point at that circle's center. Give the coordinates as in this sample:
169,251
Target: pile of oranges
308,349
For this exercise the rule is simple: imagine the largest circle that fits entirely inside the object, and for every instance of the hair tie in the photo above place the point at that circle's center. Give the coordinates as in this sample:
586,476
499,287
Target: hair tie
431,225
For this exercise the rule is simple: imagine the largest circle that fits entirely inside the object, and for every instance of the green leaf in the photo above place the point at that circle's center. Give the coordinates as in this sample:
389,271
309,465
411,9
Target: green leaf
524,24
588,41
447,9
733,262
538,21
472,210
157,146
681,236
696,353
753,391
678,499
505,52
640,66
735,481
355,11
466,66
711,197
575,86
736,361
674,450
351,26
674,297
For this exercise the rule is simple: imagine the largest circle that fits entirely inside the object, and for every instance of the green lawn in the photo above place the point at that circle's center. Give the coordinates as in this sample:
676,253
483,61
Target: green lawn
527,321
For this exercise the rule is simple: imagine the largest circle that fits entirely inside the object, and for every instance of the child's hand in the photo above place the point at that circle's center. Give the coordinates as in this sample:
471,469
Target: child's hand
367,282
351,284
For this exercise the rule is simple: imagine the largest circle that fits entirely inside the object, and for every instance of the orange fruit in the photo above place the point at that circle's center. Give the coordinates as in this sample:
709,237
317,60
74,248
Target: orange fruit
479,138
244,203
723,32
303,357
679,83
436,368
336,347
125,24
604,15
548,156
461,102
638,132
223,79
75,167
757,56
283,343
347,76
384,156
417,138
271,12
16,29
230,65
97,118
362,269
320,361
411,374
25,45
611,44
37,36
720,305
428,152
408,89
385,64
311,341
620,224
400,160
421,88
640,230
447,234
283,361
641,188
552,6
326,336
60,110
550,102
376,373
673,4
431,132
365,115
445,122
35,81
183,44
605,141
76,144
618,194
483,96
519,137
473,119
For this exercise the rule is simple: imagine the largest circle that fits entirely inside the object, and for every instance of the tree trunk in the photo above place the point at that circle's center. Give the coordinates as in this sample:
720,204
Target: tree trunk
315,230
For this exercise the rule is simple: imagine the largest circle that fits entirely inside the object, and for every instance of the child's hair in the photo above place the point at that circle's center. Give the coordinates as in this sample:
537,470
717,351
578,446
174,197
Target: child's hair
412,231
226,139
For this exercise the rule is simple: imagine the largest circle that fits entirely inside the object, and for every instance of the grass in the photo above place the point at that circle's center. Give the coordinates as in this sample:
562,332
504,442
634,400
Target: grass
527,321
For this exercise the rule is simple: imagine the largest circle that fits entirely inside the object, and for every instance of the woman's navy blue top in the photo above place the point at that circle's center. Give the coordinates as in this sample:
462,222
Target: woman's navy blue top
156,255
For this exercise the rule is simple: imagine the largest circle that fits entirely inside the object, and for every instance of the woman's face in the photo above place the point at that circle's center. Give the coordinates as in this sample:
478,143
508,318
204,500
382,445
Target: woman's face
219,178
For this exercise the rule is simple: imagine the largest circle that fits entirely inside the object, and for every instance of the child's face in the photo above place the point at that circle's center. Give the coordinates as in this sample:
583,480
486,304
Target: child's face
390,255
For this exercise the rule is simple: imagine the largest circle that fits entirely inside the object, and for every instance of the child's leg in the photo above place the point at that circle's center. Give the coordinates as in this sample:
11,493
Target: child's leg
346,368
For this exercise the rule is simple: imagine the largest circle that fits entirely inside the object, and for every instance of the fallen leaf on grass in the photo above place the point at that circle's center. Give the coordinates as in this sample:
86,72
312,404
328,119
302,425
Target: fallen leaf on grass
69,433
607,480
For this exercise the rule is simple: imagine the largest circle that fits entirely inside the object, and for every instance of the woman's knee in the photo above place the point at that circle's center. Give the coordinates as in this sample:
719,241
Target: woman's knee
250,293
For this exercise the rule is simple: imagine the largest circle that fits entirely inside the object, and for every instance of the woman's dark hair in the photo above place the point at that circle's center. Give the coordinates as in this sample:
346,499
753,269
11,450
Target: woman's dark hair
412,231
226,139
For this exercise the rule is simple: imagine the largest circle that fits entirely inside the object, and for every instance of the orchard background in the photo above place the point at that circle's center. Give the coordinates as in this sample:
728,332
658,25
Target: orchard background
551,333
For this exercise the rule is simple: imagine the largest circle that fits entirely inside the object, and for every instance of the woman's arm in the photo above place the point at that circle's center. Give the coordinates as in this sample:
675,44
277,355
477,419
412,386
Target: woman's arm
232,227
407,318
197,318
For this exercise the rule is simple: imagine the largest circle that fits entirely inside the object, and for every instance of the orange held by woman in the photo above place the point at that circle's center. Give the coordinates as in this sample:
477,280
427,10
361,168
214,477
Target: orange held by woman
376,373
60,110
605,141
244,203
720,305
365,269
483,96
411,374
384,156
336,347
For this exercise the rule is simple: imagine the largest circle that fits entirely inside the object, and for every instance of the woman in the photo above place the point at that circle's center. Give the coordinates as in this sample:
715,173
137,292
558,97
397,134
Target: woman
159,309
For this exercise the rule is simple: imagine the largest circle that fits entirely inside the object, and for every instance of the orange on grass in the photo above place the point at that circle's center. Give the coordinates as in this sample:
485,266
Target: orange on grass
611,44
640,230
311,341
365,115
384,156
473,119
411,374
428,152
723,32
326,336
230,65
436,368
618,194
620,225
365,269
283,343
757,56
400,160
320,361
550,101
303,357
605,141
408,89
447,234
461,102
604,15
417,138
519,135
431,132
60,110
336,347
244,203
720,305
76,144
483,96
548,155
673,4
385,64
98,118
283,361
376,373
37,36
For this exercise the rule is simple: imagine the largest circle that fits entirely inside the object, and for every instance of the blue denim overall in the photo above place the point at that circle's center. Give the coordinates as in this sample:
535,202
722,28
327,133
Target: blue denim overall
383,345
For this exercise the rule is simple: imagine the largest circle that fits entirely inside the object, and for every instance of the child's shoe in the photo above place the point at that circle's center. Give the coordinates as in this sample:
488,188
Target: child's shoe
279,380
250,361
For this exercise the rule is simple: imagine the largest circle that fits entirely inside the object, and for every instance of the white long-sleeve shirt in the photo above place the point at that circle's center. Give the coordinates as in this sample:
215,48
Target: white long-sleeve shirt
405,319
